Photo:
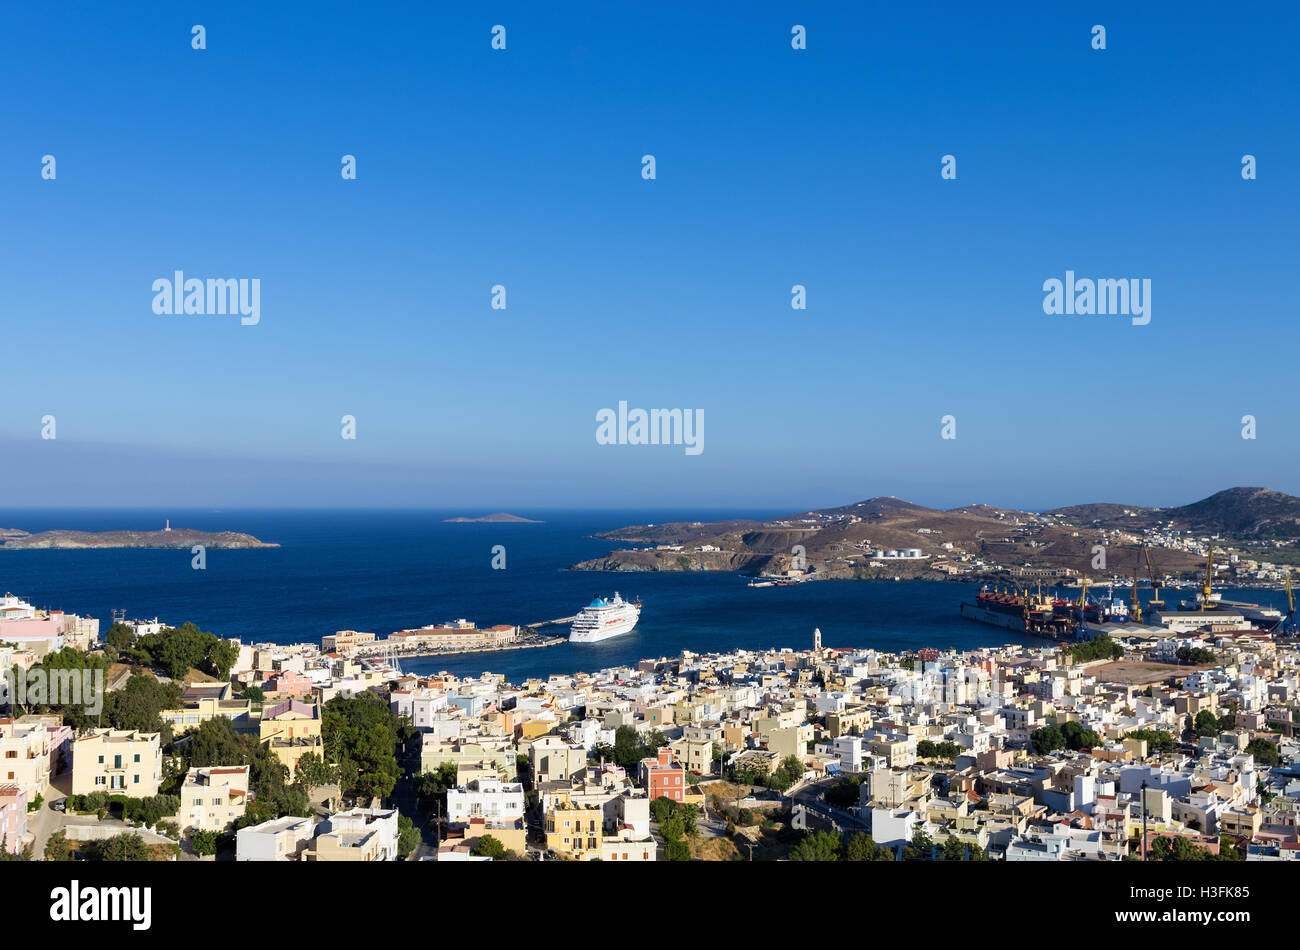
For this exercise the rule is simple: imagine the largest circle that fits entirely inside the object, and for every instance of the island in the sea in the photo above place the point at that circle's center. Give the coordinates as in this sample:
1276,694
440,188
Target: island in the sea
499,517
12,539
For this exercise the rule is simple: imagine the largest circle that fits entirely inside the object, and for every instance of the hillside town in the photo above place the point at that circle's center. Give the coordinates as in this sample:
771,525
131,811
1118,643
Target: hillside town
186,746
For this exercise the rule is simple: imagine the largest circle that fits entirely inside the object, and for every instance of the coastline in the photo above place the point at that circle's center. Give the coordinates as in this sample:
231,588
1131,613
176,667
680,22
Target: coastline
1126,584
419,654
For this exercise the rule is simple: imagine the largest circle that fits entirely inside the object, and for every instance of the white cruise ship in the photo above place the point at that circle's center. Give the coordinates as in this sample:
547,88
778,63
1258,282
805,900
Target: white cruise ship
602,619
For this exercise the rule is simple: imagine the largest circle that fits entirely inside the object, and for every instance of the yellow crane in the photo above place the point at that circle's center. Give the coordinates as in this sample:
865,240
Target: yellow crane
1135,611
1207,589
1155,603
1288,624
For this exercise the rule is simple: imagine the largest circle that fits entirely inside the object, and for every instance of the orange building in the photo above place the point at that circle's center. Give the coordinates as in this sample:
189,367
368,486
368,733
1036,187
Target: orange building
662,777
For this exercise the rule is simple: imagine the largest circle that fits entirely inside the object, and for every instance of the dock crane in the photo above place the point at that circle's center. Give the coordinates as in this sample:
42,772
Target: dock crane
1207,590
1155,603
1288,624
1135,610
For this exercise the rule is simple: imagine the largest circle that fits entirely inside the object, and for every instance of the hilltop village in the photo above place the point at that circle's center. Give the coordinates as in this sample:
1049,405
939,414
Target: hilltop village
202,748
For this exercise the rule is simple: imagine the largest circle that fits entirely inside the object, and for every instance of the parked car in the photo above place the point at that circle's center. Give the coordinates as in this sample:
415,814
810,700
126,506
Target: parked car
60,805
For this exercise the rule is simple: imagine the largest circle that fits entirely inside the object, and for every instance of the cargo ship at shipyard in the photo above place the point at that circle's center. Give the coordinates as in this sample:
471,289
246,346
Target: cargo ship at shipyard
1021,613
1058,618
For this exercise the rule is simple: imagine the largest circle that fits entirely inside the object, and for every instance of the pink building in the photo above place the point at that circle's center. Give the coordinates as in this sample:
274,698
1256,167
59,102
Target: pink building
662,777
13,818
42,635
60,739
286,684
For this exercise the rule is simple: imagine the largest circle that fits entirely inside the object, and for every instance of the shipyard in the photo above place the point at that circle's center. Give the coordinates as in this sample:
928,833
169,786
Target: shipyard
1084,617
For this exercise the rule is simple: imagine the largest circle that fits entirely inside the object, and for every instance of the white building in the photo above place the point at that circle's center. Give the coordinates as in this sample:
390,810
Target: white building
275,840
831,703
849,750
213,798
354,827
894,828
486,798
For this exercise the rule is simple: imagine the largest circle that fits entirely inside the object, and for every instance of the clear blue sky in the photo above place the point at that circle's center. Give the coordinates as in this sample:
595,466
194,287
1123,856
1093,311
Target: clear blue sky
522,167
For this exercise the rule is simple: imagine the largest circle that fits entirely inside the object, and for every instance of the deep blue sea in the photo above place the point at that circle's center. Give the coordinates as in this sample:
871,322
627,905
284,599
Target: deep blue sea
383,570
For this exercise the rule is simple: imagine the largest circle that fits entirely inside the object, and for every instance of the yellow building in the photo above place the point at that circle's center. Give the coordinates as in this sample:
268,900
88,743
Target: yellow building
291,729
497,755
1238,821
897,753
535,728
117,761
552,759
851,721
696,755
192,714
345,641
574,830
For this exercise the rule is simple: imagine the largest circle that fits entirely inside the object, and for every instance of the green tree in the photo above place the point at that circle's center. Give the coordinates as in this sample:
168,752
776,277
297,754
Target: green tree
919,848
848,791
118,639
677,851
955,850
1047,739
860,846
430,787
138,705
1157,740
58,848
254,694
1196,656
360,734
1077,737
786,774
151,810
1265,752
220,657
123,847
1206,724
630,747
817,846
313,771
1178,848
1098,648
203,842
489,847
408,837
58,667
215,742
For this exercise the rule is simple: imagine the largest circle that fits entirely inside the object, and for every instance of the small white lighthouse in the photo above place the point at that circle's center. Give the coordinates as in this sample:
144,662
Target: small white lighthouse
167,525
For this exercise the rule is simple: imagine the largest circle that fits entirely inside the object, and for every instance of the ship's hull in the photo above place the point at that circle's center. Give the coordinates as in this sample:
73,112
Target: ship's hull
997,618
1041,623
614,628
